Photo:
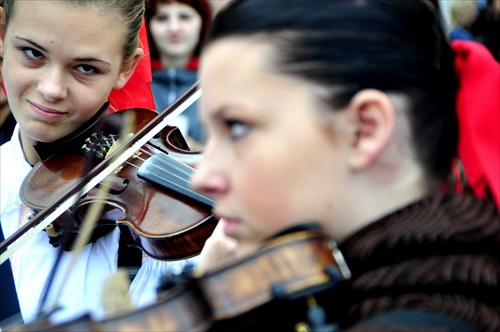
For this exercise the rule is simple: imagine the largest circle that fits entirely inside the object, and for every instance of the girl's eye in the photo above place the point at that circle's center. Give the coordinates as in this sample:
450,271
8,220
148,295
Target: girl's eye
87,70
33,54
237,129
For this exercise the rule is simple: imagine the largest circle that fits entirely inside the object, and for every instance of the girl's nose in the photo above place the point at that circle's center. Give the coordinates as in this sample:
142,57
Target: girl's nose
52,86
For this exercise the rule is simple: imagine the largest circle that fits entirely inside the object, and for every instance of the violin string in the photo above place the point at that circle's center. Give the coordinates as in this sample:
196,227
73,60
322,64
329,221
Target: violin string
140,158
143,151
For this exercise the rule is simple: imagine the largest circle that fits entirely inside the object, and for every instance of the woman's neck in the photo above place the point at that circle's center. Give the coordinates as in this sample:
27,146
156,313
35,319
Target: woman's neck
408,184
175,62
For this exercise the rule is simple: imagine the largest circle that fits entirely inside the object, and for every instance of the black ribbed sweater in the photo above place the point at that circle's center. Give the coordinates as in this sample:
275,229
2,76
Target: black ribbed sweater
441,254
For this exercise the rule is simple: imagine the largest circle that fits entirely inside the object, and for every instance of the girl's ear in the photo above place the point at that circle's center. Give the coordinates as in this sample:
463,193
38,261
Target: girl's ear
374,115
128,68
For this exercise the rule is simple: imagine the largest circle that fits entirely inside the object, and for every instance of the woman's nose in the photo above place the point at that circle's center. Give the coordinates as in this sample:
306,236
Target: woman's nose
174,24
209,179
52,86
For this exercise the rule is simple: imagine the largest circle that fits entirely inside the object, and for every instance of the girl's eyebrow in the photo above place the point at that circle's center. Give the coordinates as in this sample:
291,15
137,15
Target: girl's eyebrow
32,43
92,60
84,59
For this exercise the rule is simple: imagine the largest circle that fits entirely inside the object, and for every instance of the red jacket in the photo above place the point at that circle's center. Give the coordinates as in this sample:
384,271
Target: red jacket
478,109
137,92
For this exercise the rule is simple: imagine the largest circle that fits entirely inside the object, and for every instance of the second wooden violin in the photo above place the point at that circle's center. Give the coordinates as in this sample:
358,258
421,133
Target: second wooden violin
283,278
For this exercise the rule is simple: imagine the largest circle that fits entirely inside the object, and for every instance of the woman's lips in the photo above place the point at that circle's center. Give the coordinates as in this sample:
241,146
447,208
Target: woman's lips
175,40
47,113
231,226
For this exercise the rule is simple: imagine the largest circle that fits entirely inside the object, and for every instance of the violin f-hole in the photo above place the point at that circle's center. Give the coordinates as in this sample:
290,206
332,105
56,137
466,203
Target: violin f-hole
116,191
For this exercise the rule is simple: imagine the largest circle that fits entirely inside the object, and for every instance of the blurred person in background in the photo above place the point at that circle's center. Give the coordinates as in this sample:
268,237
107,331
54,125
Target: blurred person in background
176,30
219,4
462,13
486,27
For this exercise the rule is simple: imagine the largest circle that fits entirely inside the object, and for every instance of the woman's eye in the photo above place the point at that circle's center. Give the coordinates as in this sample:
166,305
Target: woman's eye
87,70
237,129
160,18
33,54
185,17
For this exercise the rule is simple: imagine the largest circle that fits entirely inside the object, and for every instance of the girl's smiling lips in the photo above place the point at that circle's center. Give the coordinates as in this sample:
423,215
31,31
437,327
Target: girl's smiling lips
47,113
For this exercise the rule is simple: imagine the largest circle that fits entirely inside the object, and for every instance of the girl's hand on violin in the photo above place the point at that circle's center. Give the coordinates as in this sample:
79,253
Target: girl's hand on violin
220,250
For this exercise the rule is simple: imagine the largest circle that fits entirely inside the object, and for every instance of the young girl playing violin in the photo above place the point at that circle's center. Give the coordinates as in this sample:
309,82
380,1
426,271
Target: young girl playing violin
343,113
62,60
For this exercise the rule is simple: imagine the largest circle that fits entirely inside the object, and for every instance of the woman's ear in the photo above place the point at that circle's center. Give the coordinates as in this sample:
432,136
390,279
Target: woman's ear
128,69
374,114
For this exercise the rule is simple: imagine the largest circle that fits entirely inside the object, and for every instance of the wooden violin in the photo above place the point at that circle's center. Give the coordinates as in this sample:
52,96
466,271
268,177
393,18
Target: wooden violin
283,276
182,308
147,192
289,269
288,265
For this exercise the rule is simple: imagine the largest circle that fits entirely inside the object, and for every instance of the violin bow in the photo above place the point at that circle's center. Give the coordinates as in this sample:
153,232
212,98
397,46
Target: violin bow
98,173
90,220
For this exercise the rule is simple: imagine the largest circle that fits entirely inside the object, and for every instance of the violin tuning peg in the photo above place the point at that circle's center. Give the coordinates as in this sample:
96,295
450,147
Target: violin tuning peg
85,148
